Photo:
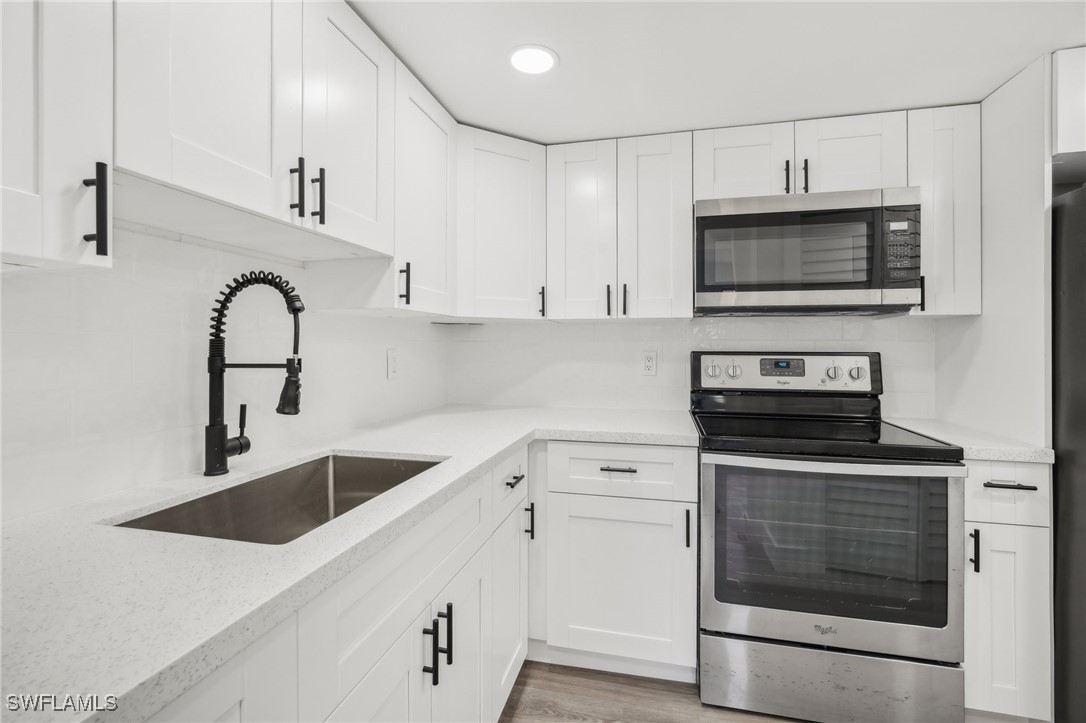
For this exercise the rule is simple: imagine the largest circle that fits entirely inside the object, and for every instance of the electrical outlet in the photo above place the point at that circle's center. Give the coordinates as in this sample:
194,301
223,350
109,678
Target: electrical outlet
648,363
392,357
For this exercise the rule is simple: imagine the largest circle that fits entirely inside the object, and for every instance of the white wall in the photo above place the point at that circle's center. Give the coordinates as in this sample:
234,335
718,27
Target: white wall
105,372
994,371
596,364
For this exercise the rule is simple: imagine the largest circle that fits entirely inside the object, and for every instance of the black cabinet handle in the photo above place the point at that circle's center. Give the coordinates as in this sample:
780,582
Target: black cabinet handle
788,176
1008,486
300,170
448,633
975,559
319,213
530,509
688,527
543,301
627,470
512,484
923,295
406,295
100,182
806,185
624,294
608,299
435,651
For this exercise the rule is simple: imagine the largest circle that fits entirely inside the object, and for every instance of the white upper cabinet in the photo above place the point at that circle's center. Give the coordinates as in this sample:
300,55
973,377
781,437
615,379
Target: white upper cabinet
425,198
1069,101
851,153
209,99
744,161
944,161
502,226
58,126
581,236
655,227
349,117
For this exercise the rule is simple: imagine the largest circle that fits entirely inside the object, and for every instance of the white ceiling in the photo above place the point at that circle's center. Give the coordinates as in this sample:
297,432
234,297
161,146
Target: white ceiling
633,68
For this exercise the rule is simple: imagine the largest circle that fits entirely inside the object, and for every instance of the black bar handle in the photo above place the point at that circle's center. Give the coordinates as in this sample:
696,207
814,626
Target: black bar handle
788,176
530,509
608,299
435,651
624,310
543,301
923,295
100,182
406,295
448,649
319,213
512,484
975,559
688,527
300,170
1006,486
806,185
627,470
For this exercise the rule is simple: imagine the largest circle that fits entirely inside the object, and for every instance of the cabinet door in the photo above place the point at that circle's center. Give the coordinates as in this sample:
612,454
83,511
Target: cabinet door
655,227
463,611
621,577
944,161
744,161
1008,621
396,690
502,222
510,607
851,153
58,123
425,204
581,240
209,98
348,127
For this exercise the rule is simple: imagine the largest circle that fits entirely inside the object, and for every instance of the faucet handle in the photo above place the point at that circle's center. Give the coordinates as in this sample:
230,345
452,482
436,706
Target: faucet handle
241,420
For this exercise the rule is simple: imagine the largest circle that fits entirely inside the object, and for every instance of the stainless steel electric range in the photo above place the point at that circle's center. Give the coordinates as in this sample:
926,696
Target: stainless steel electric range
831,562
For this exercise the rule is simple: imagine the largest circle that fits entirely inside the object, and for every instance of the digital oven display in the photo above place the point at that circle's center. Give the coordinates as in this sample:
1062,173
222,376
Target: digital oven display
781,367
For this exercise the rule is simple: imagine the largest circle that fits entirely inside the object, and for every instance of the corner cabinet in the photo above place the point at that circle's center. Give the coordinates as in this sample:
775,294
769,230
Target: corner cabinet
502,226
58,133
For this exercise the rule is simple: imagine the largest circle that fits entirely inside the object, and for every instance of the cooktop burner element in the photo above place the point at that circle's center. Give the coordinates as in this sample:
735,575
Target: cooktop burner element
809,403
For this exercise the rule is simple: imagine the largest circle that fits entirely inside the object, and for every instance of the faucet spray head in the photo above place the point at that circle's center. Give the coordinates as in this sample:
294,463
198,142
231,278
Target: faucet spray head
290,399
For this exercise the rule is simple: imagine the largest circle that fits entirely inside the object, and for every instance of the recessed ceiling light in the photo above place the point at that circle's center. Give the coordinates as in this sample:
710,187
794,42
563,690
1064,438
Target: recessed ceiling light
533,59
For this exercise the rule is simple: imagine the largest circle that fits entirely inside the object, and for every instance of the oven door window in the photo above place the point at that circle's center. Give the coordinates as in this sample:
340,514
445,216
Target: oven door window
834,544
787,251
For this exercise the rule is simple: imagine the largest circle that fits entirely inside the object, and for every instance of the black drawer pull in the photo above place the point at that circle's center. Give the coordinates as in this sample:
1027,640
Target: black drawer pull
300,170
975,559
100,182
435,651
512,484
530,509
1005,486
627,470
688,527
448,633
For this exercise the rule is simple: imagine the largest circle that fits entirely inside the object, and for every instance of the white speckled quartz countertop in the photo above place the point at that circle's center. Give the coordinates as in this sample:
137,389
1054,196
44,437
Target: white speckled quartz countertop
976,444
89,608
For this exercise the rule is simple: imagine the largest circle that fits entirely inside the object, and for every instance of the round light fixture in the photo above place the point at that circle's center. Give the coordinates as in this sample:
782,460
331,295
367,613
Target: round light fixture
533,59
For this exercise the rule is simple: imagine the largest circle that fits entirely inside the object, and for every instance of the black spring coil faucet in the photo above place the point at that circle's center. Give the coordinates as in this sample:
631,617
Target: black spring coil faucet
218,446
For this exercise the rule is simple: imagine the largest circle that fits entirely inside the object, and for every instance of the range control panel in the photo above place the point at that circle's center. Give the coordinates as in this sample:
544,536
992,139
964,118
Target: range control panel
775,371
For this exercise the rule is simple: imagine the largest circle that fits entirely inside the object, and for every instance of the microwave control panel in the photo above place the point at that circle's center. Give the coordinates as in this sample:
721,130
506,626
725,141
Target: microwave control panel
786,372
901,243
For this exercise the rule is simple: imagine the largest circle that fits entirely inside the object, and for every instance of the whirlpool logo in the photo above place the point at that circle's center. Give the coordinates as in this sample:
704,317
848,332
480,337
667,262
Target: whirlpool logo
826,630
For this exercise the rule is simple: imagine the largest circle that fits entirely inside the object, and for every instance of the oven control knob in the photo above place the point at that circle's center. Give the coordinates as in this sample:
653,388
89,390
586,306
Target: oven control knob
857,373
833,372
712,371
734,371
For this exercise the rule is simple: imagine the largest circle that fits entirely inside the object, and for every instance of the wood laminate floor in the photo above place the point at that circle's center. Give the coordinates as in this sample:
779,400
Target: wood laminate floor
556,693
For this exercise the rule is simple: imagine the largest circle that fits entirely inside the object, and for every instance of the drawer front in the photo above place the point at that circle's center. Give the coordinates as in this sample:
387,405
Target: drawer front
1002,501
623,470
510,483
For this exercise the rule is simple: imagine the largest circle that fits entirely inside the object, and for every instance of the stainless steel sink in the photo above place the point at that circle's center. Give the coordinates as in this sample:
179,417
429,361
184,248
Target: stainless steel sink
283,506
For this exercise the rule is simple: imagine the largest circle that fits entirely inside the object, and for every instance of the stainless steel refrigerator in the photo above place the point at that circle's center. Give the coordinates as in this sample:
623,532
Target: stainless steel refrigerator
1069,440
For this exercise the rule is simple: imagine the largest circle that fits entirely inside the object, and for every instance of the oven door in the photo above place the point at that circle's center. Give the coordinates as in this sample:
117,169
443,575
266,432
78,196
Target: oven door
855,555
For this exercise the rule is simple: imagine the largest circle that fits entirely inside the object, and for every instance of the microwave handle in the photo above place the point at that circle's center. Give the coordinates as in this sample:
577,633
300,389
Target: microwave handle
853,468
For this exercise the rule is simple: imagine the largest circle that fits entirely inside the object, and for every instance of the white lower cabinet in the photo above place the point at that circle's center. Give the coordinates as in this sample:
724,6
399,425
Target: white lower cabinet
509,615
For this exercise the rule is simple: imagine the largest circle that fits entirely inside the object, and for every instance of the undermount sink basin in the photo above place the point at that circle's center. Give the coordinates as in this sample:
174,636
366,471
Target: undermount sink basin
283,506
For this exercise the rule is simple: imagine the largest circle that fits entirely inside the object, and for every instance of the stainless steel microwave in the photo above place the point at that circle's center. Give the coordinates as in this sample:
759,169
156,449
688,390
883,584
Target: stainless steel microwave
849,252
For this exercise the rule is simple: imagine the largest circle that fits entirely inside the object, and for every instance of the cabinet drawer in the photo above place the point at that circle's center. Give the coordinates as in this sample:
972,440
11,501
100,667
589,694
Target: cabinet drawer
623,470
1005,503
509,491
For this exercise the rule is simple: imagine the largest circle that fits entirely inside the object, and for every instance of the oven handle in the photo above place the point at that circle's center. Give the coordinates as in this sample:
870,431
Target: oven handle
804,465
